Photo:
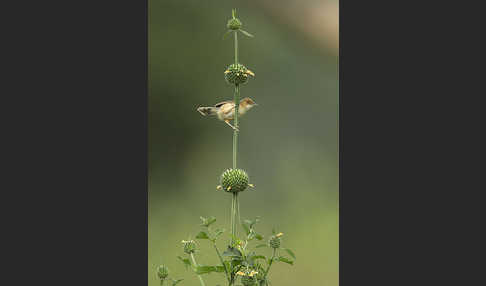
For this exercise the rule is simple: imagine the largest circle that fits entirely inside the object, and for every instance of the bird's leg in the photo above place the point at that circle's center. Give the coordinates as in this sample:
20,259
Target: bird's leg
227,122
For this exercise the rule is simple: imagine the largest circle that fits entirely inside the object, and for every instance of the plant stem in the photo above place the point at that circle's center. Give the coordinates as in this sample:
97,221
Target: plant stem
269,264
236,47
195,264
222,262
234,200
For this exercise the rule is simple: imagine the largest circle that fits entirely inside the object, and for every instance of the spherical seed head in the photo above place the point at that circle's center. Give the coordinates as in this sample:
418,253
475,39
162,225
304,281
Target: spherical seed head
248,281
189,247
274,241
234,24
162,272
234,180
236,74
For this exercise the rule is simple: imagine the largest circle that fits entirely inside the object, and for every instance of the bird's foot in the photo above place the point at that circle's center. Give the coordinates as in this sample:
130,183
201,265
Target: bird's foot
234,127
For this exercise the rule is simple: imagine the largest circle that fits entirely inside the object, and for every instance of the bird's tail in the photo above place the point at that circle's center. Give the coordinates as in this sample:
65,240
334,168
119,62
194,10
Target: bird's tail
207,110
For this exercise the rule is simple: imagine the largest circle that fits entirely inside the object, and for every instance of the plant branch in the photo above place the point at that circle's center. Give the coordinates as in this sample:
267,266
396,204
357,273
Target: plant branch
235,205
269,264
195,264
222,262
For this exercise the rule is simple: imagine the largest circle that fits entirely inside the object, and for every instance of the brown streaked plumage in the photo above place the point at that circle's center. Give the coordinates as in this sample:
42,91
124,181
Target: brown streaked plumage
225,110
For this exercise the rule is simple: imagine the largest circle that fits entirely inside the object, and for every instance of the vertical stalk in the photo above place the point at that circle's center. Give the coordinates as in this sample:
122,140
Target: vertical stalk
195,264
269,264
236,47
222,262
235,205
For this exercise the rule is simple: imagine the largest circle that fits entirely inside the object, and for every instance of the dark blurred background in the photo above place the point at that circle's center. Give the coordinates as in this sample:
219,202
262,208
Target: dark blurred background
288,143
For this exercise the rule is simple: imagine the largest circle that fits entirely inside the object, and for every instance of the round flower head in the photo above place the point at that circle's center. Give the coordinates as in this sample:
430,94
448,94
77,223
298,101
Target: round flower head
274,240
234,180
189,246
234,24
237,74
162,272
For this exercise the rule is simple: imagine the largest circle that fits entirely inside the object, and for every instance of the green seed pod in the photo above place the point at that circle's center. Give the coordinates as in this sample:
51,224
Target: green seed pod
274,241
189,246
234,180
234,24
248,280
237,74
162,272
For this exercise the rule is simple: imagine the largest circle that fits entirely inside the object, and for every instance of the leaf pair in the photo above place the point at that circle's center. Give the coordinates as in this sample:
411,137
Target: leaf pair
242,31
207,221
232,252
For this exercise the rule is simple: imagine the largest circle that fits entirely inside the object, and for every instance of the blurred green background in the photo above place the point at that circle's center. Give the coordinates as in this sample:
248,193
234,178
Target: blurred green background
288,143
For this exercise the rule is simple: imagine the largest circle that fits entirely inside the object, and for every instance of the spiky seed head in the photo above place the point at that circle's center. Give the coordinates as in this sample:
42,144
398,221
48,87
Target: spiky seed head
189,246
237,74
274,241
234,180
162,272
234,24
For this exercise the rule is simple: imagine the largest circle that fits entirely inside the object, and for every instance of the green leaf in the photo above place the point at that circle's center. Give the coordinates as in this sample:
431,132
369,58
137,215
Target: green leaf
251,257
286,260
208,269
211,220
247,230
207,221
251,223
218,232
186,262
232,252
175,282
227,33
258,236
261,245
204,269
246,33
290,253
202,235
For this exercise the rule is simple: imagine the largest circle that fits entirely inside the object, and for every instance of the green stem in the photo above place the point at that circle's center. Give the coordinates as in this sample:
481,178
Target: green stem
222,262
195,264
234,200
269,264
236,47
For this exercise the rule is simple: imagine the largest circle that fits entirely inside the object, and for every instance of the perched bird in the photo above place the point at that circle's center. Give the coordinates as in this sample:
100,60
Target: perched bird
225,110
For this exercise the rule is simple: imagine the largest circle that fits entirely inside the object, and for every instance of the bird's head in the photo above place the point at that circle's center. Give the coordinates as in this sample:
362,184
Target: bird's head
247,103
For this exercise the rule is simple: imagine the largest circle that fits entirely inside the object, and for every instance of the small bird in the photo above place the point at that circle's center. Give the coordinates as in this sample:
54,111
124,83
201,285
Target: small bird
225,110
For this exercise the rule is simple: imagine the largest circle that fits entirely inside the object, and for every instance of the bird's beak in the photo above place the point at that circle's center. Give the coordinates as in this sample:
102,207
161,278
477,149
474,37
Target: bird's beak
250,72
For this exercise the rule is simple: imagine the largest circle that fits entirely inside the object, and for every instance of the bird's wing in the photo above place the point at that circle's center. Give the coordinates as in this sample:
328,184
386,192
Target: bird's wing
227,107
222,102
